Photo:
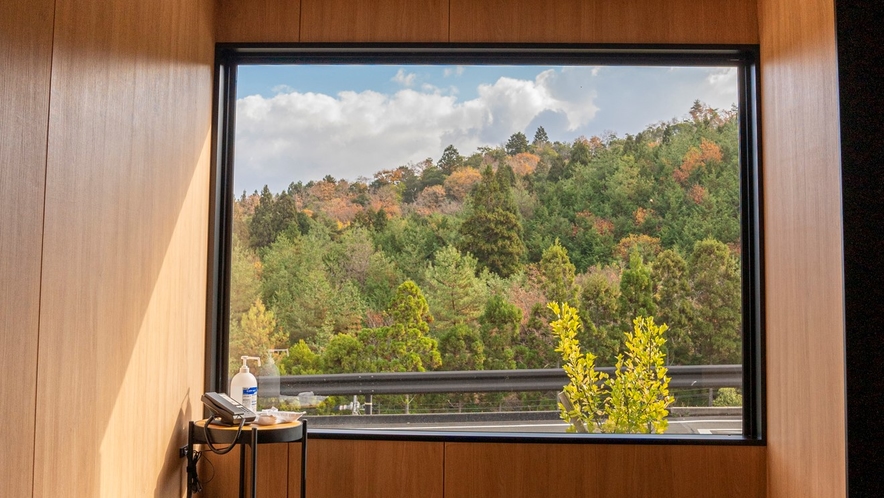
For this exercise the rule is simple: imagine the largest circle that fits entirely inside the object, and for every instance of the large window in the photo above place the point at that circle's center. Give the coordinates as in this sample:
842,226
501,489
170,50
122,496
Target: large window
392,225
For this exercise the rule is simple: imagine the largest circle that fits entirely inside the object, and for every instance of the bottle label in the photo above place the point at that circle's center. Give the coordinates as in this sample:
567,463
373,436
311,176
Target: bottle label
250,398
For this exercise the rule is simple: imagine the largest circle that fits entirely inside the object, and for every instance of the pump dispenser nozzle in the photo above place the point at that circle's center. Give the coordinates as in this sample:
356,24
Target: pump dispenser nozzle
245,365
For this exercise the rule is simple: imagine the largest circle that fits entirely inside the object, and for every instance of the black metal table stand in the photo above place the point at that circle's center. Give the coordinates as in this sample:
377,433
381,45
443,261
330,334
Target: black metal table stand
280,433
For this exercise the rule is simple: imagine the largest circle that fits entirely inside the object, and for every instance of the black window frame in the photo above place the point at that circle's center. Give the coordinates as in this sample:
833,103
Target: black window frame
229,56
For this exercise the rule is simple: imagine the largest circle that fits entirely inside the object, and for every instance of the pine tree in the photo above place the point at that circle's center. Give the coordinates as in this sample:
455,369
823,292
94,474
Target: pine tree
461,348
403,346
261,231
600,312
245,282
517,144
450,161
492,232
456,295
580,152
500,327
558,275
253,334
272,216
673,300
636,291
409,308
715,285
540,137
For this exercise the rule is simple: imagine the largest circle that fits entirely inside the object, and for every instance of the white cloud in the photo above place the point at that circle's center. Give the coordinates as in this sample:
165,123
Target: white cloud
403,78
282,89
456,71
723,81
304,136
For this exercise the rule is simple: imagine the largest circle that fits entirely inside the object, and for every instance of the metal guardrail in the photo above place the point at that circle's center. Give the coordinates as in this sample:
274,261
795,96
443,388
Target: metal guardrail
481,381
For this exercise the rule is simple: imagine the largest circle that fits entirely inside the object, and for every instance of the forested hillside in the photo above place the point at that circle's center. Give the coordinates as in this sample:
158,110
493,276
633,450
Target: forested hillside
448,264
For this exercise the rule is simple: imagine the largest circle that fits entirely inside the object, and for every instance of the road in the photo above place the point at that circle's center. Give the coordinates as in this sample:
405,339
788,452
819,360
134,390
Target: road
718,425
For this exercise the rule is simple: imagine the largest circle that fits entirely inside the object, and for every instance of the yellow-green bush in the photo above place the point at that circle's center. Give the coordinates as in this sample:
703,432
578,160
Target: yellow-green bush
635,400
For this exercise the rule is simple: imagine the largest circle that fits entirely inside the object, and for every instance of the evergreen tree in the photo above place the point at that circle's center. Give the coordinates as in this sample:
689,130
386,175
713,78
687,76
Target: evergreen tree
450,161
253,334
455,294
500,327
272,216
462,349
673,300
380,281
409,308
580,152
261,232
636,291
245,283
345,354
403,346
516,144
492,232
300,360
296,285
558,275
540,137
600,312
535,347
715,285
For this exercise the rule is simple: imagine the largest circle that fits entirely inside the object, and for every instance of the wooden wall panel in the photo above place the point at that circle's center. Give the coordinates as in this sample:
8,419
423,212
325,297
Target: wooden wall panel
258,20
220,473
503,21
369,469
803,253
25,58
124,264
356,469
609,471
374,20
602,21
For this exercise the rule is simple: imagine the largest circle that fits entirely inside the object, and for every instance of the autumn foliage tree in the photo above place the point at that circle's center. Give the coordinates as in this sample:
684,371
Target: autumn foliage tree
487,239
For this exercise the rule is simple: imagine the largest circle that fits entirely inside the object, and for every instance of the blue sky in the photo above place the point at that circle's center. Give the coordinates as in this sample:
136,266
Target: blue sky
300,123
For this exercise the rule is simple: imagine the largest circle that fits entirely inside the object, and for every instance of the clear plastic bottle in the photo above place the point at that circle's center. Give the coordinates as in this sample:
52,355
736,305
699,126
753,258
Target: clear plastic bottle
244,385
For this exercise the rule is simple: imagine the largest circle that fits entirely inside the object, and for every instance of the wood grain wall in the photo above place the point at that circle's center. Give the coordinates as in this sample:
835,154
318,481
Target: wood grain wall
602,21
802,217
106,127
117,305
25,58
604,471
512,21
376,468
394,469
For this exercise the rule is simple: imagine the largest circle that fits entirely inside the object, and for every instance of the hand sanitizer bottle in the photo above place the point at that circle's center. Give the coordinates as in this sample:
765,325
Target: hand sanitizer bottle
244,385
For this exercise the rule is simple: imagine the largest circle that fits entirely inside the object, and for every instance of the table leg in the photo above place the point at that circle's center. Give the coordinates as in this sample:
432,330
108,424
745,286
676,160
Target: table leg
242,471
190,467
304,459
254,461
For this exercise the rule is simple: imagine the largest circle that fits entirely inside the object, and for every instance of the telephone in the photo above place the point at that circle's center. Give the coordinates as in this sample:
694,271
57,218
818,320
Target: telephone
227,410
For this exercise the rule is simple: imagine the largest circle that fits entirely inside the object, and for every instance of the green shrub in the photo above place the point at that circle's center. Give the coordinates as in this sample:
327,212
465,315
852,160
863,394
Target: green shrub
633,401
728,396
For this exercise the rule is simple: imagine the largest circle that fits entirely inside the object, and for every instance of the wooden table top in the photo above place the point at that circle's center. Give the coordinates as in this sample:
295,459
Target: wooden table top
216,427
